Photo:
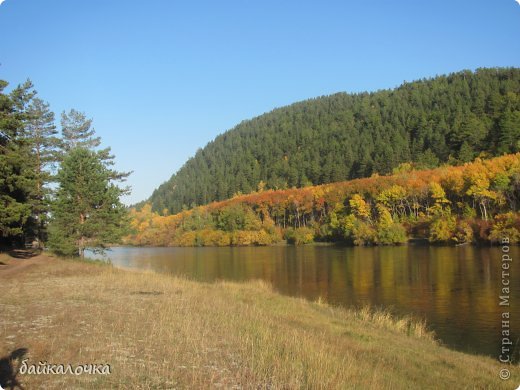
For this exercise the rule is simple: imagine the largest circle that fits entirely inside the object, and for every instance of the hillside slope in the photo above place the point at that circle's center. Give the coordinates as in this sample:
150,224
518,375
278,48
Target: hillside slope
477,202
449,118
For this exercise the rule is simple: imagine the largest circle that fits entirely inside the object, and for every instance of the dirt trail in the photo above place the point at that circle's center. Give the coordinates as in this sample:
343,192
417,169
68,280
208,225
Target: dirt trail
15,262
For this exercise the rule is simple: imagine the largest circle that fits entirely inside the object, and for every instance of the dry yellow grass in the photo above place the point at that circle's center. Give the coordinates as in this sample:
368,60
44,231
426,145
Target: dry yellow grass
158,331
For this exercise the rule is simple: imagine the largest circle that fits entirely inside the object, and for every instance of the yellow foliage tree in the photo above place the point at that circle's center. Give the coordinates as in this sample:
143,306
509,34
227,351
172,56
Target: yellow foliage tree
360,208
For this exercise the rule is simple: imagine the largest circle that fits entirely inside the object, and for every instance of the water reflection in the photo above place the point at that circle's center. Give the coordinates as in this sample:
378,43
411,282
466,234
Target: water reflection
455,289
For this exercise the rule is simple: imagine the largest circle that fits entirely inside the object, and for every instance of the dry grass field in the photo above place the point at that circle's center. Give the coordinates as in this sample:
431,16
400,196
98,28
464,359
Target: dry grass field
158,331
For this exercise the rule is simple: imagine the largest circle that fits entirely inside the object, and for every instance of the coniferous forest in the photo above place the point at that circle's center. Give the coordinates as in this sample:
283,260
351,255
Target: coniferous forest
59,191
449,119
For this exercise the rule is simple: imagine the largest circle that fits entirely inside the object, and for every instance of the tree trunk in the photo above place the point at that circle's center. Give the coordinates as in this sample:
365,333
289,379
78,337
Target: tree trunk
82,238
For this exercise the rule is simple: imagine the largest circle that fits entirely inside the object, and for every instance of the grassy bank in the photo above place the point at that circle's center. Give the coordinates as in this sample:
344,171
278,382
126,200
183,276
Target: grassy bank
158,331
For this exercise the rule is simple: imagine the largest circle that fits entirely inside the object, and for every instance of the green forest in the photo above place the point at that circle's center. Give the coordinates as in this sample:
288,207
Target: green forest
446,119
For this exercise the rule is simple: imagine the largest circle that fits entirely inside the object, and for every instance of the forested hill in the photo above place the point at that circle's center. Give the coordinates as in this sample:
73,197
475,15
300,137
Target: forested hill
451,118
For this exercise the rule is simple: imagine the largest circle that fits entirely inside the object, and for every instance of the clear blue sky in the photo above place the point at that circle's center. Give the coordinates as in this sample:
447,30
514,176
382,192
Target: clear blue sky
163,78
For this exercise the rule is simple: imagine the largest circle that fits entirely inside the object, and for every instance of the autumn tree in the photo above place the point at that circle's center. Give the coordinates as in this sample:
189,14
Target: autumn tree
388,231
478,187
450,205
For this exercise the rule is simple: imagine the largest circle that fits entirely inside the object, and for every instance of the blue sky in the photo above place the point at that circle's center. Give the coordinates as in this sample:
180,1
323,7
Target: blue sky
163,78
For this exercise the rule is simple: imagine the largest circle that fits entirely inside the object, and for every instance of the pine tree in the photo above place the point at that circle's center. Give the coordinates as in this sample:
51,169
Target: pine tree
40,132
77,131
22,96
466,153
87,212
509,132
16,176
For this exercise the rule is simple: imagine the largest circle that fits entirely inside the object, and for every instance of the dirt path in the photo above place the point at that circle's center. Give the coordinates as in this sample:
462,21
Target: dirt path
19,260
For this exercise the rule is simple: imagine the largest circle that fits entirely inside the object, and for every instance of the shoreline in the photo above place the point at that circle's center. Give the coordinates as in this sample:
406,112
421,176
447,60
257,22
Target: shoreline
284,243
164,331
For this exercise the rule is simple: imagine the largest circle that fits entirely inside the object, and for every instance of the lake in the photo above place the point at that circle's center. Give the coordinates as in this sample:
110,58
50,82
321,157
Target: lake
456,289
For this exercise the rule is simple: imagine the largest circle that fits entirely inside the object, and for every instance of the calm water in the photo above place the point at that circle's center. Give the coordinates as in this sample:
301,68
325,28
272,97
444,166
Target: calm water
455,289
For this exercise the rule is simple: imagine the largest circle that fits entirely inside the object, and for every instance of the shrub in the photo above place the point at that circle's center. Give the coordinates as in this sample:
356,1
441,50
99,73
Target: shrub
249,237
264,238
505,225
482,228
392,234
211,237
442,228
348,225
463,233
237,217
363,233
299,236
186,239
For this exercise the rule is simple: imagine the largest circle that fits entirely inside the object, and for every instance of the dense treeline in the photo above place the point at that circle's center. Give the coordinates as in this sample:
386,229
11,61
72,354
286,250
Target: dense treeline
56,190
452,119
27,148
475,202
